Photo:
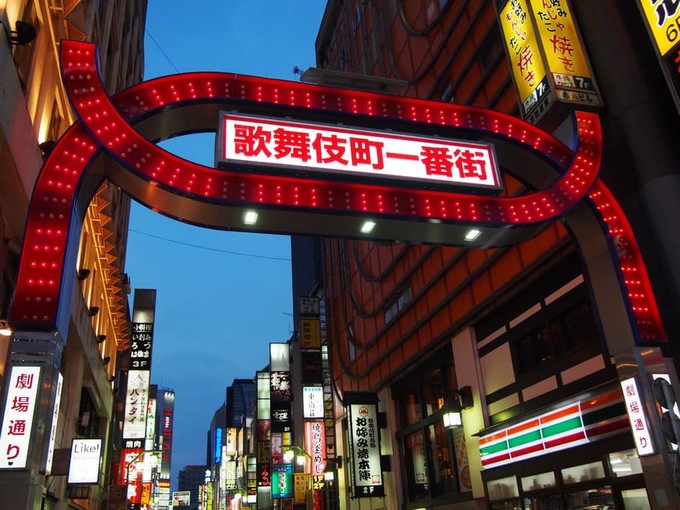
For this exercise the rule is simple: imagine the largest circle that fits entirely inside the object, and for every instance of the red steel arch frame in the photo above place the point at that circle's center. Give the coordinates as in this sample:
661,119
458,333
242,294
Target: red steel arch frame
70,175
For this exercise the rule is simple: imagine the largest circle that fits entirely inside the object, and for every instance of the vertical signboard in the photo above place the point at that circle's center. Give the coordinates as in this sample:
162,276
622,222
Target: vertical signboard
310,333
663,23
139,375
282,481
315,445
167,416
548,60
280,387
263,431
136,403
364,445
17,421
527,64
564,53
53,428
636,414
312,402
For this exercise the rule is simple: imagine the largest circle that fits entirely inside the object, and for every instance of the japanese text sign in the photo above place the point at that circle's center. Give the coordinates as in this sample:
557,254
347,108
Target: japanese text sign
312,402
636,414
547,56
309,306
310,333
663,21
315,445
282,481
18,418
564,52
365,451
136,404
142,343
521,41
327,150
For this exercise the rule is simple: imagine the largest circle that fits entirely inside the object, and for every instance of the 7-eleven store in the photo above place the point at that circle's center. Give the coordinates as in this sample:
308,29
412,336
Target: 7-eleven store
580,450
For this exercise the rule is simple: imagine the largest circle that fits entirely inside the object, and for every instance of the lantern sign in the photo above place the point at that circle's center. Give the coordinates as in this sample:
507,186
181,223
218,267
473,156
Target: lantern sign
17,421
549,63
273,145
364,445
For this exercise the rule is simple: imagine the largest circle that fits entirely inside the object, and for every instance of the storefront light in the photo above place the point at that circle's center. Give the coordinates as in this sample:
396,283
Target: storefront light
457,401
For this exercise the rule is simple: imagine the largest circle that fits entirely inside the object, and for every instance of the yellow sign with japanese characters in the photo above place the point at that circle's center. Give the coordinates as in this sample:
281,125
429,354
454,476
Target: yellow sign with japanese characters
523,49
560,40
663,19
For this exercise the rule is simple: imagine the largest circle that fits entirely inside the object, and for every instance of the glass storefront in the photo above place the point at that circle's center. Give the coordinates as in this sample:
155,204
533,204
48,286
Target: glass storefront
613,482
434,458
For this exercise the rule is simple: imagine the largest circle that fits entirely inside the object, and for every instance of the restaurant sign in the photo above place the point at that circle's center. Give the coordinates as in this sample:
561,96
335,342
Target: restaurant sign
364,445
548,59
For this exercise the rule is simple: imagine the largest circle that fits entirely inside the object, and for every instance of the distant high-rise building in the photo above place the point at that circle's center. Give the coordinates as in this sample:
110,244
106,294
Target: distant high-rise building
190,479
240,401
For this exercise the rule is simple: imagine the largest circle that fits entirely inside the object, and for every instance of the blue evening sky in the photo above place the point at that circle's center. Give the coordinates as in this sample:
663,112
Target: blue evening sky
222,297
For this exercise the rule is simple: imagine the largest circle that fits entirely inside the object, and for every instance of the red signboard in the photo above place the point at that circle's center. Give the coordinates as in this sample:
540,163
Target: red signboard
315,445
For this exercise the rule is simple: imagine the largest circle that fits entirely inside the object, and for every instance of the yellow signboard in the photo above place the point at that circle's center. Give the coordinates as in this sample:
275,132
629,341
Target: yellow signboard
564,52
310,333
523,49
561,42
301,482
663,19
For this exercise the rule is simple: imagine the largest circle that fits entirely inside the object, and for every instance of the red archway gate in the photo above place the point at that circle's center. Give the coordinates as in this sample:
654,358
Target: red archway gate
115,139
104,144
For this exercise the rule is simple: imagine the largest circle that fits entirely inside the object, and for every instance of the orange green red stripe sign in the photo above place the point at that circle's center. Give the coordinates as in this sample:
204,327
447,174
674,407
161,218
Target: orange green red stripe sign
572,425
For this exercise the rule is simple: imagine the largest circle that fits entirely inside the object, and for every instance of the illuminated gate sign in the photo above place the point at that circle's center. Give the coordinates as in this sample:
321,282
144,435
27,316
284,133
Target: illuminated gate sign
323,149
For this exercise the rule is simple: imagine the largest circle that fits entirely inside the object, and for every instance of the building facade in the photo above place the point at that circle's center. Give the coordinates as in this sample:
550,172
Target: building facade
527,328
191,478
34,112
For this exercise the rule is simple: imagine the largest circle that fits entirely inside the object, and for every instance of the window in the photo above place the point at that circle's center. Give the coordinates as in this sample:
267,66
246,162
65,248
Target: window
398,304
88,419
570,332
429,451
